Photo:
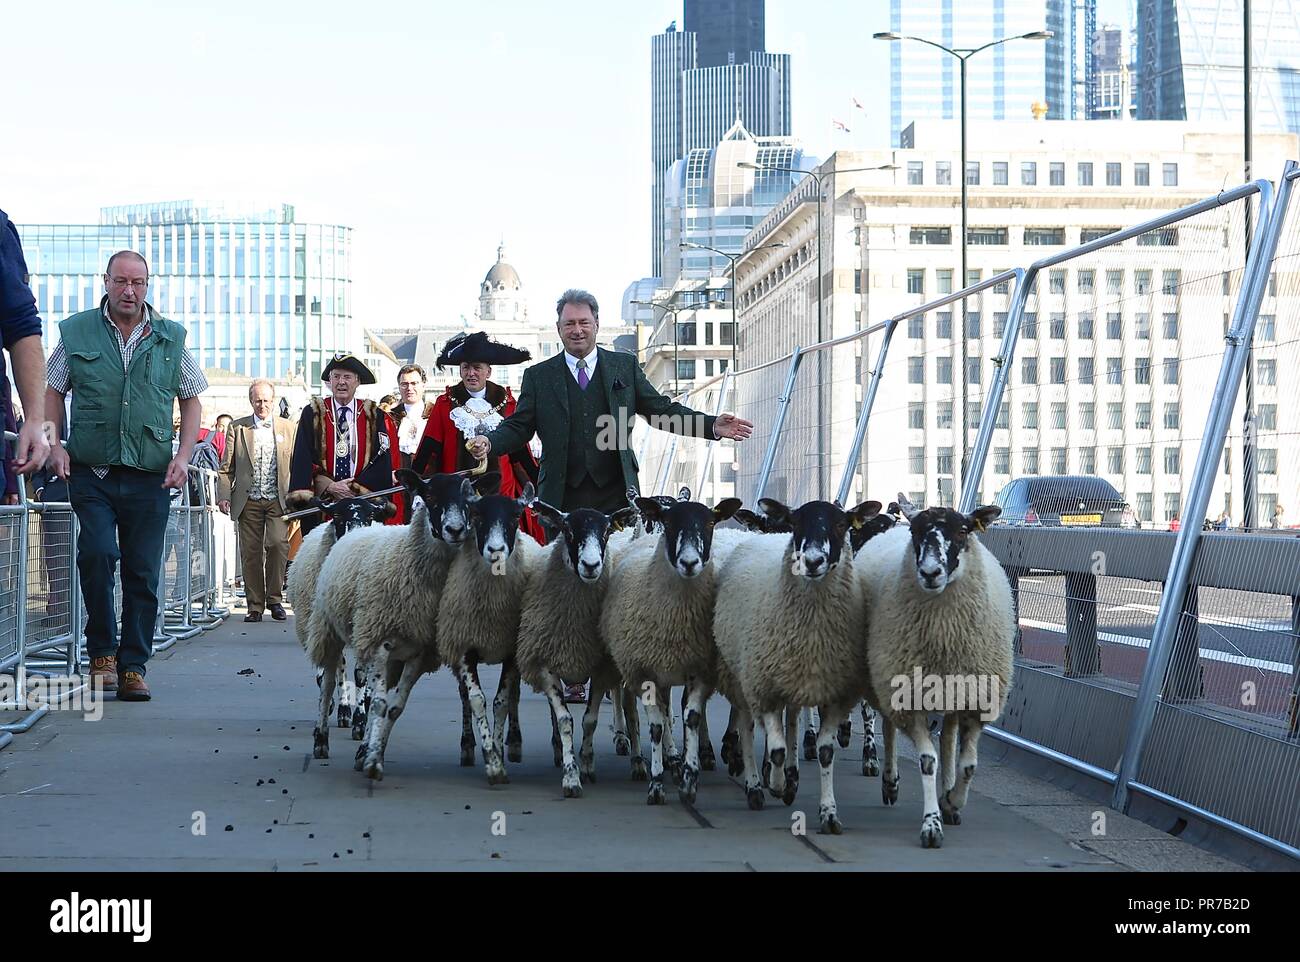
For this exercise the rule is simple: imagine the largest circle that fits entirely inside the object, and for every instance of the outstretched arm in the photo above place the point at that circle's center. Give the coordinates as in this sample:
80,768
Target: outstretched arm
515,431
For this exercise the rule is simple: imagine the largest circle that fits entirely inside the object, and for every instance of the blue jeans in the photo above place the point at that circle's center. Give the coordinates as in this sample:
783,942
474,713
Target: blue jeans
123,517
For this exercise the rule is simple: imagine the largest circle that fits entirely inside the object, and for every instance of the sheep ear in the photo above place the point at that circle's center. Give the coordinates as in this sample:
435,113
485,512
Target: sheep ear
623,518
774,510
528,495
651,510
749,520
907,507
408,479
551,517
469,491
981,518
725,508
863,513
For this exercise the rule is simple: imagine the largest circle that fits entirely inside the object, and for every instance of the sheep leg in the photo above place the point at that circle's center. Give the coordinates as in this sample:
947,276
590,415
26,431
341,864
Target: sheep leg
370,754
870,760
362,709
621,744
571,780
889,779
590,719
744,746
844,734
397,695
672,757
791,772
515,735
776,755
556,745
931,822
708,761
501,704
948,752
344,716
496,771
809,735
728,748
827,814
466,726
320,736
633,715
692,719
655,793
955,798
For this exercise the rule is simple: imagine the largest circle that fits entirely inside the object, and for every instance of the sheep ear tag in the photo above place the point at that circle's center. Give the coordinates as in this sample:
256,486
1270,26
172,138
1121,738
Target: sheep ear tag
858,523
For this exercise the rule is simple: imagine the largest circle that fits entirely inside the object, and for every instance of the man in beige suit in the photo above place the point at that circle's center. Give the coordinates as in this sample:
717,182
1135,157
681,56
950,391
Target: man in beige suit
253,483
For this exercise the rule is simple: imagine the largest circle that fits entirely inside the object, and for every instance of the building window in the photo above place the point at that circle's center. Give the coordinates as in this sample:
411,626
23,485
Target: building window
916,370
1266,328
685,370
1058,415
726,333
1173,416
943,281
857,281
972,324
943,370
1171,327
973,173
1089,234
1087,460
686,333
1086,281
916,282
987,236
1056,174
1002,287
1142,175
1114,370
1115,460
915,173
1085,174
1029,415
1058,461
1057,324
1029,370
1173,460
1171,370
1171,281
1114,282
916,415
1143,460
916,327
916,460
973,372
1044,236
1029,326
1171,175
1267,460
999,173
1265,417
973,413
943,415
1001,460
1029,458
1113,177
1058,370
1085,370
943,324
1088,415
943,172
1266,371
1143,507
943,463
1114,326
1004,416
1028,173
1142,327
1141,282
1163,237
1115,416
930,235
1085,325
1056,281
1227,284
1142,416
708,367
999,323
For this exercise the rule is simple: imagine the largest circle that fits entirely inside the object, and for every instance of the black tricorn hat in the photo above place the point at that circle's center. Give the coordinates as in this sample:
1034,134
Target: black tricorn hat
348,362
478,348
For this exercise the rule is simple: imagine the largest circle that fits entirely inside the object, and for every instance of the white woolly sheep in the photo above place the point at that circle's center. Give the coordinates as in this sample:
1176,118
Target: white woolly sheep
559,631
478,615
658,625
788,625
940,618
379,591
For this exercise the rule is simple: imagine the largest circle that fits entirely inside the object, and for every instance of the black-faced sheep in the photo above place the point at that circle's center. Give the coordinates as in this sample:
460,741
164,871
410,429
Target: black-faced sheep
939,637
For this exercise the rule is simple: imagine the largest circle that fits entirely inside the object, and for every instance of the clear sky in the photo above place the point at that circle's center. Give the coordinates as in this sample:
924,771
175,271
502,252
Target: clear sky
434,129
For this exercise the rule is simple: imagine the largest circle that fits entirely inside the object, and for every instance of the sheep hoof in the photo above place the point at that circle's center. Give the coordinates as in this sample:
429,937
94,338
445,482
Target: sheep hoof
498,777
673,763
951,816
707,758
514,752
321,750
375,769
871,767
889,790
690,784
622,744
344,717
639,773
754,796
931,831
360,758
735,765
573,791
359,726
844,733
728,746
830,825
810,746
655,795
791,785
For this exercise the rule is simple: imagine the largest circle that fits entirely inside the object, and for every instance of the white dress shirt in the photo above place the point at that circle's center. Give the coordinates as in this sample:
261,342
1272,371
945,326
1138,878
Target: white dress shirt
572,361
411,429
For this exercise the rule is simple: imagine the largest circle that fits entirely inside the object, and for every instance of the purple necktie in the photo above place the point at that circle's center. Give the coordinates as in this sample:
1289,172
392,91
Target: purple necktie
583,380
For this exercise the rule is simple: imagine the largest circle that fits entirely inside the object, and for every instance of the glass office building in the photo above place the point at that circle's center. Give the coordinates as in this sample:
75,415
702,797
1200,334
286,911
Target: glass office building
258,293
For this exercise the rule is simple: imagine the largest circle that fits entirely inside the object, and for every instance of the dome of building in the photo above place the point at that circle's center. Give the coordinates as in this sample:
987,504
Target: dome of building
502,277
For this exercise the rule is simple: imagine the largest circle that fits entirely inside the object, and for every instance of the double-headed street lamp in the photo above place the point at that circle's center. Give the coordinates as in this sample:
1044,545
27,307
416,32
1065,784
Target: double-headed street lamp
963,54
735,327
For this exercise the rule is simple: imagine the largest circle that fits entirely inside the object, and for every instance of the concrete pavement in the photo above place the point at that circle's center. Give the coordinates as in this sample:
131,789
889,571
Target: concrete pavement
230,753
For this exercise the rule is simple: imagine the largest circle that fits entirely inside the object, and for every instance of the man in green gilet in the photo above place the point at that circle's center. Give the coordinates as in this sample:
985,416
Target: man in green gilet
124,364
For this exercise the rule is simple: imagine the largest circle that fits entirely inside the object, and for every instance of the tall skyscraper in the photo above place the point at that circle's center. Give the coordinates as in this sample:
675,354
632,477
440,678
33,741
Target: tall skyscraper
1190,62
703,80
1110,94
1005,81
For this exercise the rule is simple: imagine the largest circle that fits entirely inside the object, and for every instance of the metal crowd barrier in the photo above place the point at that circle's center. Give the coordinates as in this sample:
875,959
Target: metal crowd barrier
42,612
1199,708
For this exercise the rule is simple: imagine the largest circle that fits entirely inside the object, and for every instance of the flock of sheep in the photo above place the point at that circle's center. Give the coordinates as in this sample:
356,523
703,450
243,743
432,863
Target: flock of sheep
784,609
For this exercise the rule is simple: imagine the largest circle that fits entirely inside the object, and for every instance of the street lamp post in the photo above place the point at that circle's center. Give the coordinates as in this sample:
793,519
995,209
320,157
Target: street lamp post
674,311
963,54
733,258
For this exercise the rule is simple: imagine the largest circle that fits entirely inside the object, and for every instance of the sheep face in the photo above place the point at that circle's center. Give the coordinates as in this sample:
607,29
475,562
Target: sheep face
687,537
586,536
351,513
939,537
495,520
818,529
446,498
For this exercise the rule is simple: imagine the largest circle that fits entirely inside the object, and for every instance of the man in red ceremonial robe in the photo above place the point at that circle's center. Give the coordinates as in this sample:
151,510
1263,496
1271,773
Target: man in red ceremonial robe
475,406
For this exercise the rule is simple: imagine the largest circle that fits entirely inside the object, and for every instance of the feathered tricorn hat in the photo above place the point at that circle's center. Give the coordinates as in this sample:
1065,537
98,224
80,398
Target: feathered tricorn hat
478,348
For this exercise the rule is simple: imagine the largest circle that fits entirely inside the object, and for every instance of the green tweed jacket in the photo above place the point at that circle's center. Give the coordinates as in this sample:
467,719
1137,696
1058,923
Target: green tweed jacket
543,409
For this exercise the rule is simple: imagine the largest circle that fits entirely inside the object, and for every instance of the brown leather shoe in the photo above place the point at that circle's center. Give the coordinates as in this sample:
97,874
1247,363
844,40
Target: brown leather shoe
103,673
253,616
278,612
133,687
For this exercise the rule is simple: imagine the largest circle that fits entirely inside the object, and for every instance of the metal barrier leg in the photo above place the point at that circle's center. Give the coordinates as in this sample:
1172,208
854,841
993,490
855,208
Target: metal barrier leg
1082,653
769,457
860,433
